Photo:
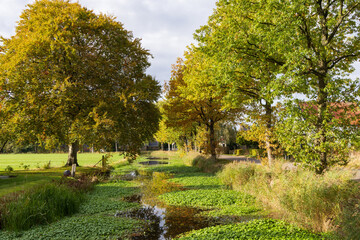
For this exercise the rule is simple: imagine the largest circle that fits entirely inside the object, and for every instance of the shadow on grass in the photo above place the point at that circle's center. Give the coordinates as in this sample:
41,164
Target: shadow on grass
28,178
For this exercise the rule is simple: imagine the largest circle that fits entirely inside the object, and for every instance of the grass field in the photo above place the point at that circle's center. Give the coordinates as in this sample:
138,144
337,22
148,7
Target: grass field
18,161
36,175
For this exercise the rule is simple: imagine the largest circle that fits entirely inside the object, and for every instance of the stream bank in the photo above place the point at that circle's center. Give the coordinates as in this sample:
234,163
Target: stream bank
161,201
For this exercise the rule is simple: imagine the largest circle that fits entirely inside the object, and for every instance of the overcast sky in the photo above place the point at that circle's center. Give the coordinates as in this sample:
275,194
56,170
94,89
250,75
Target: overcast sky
166,27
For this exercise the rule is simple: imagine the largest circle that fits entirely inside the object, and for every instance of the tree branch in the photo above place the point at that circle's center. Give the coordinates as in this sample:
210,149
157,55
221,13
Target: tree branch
340,20
337,60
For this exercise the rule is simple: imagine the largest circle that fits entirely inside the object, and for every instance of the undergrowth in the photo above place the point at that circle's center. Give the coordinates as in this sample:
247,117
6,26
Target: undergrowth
40,205
302,197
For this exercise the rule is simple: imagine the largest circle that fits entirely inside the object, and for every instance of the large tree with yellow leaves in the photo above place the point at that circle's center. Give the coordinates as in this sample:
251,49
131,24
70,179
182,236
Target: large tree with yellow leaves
73,76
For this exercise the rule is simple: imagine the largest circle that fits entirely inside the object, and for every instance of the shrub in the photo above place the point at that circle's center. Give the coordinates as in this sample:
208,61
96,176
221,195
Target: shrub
26,167
9,169
159,184
47,165
194,159
82,184
239,152
236,173
40,205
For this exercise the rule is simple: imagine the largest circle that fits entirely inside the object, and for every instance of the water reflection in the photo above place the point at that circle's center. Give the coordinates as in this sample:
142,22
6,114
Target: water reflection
167,222
163,221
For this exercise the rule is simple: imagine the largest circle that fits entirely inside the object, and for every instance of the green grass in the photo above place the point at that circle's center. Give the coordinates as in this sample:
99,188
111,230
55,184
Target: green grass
256,229
40,205
38,160
26,179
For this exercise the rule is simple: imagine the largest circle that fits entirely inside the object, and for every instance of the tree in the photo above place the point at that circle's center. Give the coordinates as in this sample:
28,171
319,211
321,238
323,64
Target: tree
325,42
191,97
270,49
236,39
78,77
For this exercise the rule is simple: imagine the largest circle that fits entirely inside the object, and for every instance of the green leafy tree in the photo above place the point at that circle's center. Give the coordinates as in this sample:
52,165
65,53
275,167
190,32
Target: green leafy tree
324,43
191,98
79,77
269,49
237,42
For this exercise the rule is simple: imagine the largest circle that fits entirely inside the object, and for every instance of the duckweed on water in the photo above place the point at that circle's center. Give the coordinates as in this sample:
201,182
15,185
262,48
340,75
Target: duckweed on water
79,227
197,180
108,197
257,229
207,198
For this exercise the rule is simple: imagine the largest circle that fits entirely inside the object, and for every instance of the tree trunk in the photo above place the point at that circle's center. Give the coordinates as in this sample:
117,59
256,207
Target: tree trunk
321,105
162,146
116,146
212,139
72,157
268,115
3,146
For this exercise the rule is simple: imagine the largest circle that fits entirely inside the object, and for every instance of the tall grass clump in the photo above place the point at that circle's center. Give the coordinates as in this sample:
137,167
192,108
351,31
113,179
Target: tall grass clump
354,160
204,163
40,205
159,184
237,174
311,201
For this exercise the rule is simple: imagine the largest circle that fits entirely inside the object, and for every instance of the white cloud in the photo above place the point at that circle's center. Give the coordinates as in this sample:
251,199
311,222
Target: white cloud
165,26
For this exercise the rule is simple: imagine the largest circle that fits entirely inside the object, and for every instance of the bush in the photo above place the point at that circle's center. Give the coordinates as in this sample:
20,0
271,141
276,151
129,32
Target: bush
159,184
83,184
9,169
236,173
47,165
194,159
257,152
41,205
239,152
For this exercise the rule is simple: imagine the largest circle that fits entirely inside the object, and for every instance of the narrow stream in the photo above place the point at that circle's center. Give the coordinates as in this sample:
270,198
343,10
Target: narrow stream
164,222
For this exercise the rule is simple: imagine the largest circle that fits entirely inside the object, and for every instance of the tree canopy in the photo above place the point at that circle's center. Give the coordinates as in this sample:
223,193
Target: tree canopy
193,99
77,77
